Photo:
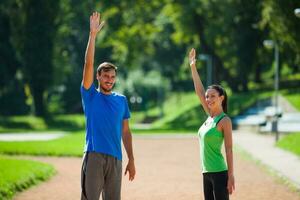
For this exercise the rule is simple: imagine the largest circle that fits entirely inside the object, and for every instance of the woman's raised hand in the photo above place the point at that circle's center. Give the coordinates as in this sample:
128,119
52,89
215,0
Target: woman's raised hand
192,56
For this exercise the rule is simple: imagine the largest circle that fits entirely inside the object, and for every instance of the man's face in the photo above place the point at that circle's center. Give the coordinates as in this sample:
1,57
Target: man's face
107,80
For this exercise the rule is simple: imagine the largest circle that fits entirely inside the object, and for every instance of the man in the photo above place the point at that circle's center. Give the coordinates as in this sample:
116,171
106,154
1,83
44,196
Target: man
107,115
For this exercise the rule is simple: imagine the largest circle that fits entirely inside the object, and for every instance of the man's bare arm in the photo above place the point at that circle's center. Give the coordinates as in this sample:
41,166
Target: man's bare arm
127,141
88,70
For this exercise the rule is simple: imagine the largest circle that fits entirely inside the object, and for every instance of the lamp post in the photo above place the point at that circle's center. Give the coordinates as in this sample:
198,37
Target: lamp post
297,12
136,100
272,44
208,59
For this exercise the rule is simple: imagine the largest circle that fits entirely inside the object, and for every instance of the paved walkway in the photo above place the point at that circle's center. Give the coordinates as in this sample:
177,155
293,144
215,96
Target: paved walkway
31,136
262,147
168,167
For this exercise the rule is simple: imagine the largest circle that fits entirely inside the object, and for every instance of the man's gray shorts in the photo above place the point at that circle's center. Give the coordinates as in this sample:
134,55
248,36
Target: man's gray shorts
100,173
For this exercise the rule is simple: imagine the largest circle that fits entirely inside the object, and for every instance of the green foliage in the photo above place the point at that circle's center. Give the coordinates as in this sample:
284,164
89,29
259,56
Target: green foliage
39,31
151,87
284,26
66,122
12,96
23,122
69,51
13,99
18,175
291,143
42,57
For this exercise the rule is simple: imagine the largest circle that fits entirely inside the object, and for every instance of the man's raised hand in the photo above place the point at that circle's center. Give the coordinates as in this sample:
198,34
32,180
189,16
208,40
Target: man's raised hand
95,23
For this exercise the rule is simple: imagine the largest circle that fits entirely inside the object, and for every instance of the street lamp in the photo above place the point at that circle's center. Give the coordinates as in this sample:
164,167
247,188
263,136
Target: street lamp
270,44
297,12
208,59
136,100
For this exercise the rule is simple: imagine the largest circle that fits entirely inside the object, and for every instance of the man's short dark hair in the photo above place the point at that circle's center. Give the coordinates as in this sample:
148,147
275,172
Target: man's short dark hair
106,66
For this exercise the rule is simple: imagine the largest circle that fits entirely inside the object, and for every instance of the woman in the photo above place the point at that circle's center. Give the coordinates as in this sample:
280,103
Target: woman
218,179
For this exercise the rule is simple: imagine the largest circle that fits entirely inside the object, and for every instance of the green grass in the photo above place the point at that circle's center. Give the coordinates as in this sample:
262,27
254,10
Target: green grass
183,112
238,103
290,143
137,117
37,124
21,123
70,145
18,175
294,99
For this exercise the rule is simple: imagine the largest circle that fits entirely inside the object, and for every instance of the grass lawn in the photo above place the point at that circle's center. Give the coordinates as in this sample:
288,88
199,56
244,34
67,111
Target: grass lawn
294,100
184,112
70,145
291,143
37,124
181,112
17,175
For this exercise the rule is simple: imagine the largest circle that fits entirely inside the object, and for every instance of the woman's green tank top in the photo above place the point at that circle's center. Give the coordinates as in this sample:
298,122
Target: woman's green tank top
211,140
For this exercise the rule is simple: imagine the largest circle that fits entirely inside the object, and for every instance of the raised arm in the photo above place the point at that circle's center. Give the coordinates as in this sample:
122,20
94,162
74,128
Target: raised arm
199,89
88,70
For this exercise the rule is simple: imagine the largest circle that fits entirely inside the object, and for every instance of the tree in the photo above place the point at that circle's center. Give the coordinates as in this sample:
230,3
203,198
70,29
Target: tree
12,96
39,33
284,27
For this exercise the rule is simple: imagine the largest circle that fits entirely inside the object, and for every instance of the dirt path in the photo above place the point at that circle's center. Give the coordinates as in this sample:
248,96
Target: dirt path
167,169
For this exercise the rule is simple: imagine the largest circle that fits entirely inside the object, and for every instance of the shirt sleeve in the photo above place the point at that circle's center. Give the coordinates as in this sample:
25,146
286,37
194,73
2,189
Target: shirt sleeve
87,94
126,112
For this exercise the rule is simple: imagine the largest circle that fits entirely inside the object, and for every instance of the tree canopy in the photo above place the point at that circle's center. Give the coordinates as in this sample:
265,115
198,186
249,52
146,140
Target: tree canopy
43,45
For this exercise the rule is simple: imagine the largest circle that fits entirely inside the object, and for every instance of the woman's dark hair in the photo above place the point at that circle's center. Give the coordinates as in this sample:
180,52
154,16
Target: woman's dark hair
221,92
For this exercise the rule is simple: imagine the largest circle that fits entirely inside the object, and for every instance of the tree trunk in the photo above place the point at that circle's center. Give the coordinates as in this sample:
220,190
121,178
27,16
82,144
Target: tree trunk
39,33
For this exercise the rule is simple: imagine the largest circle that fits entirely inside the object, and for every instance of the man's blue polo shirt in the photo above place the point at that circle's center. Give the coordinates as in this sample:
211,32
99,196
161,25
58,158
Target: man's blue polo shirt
104,120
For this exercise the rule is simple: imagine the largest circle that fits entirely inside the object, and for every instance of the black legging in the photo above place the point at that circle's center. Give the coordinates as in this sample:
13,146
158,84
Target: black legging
215,185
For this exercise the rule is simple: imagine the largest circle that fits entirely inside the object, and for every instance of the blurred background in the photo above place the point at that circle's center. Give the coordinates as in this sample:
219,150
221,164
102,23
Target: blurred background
252,48
42,47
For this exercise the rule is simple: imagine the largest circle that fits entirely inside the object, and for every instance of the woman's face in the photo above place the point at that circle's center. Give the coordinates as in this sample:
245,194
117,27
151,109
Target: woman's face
213,99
